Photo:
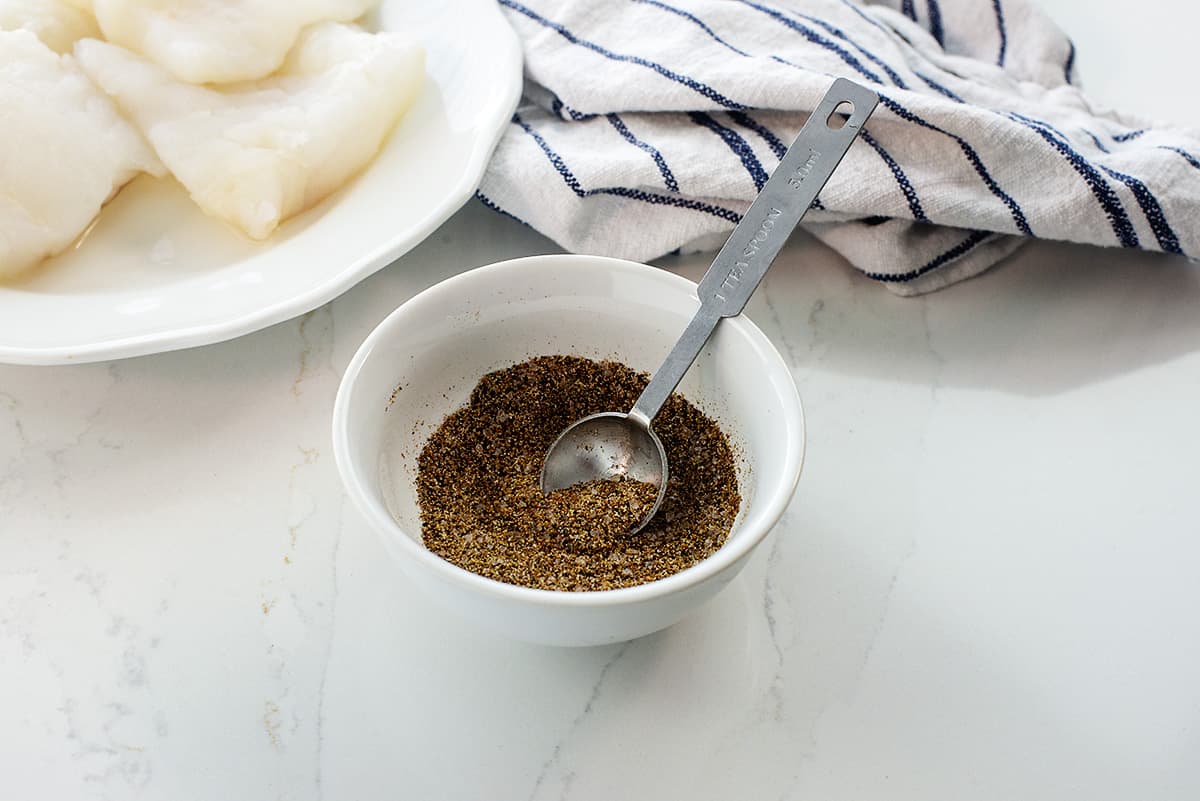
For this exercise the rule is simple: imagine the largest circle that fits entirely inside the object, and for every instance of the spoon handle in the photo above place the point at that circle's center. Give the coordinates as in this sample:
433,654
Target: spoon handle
757,239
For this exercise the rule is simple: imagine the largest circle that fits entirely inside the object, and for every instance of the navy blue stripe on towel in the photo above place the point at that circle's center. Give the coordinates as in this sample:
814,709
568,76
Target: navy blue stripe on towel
1108,200
972,156
1096,141
704,27
663,170
691,83
958,251
491,204
1040,124
812,36
1167,239
694,19
1125,137
1186,155
740,147
561,109
620,191
906,187
1003,33
937,87
833,30
935,21
746,121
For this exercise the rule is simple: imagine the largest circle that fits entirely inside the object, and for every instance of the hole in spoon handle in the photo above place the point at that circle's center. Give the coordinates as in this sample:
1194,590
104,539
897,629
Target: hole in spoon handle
785,198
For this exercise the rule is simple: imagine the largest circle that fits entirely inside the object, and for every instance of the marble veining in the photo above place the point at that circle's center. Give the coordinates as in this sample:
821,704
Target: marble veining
554,761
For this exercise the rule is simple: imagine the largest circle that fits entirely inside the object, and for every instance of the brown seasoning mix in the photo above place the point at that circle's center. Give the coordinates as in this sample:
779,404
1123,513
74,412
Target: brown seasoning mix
483,510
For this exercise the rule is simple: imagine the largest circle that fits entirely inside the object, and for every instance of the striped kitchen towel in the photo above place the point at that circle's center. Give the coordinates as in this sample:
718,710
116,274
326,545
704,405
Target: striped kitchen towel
649,125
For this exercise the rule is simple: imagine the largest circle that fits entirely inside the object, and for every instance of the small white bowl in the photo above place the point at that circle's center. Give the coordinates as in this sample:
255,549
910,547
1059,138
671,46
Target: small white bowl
422,362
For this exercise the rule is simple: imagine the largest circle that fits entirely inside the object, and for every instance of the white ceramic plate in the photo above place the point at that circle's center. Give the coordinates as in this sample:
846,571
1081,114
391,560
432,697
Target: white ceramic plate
155,274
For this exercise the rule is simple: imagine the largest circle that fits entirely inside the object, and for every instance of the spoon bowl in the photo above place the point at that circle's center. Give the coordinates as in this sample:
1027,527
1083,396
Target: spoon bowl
609,445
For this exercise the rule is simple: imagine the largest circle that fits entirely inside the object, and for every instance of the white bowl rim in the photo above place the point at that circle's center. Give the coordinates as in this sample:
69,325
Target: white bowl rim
383,522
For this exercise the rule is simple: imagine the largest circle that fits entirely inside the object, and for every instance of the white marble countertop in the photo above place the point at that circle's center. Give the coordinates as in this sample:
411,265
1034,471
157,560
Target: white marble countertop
987,586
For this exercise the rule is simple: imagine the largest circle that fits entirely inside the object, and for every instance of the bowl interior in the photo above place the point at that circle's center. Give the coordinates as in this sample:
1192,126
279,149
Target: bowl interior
424,360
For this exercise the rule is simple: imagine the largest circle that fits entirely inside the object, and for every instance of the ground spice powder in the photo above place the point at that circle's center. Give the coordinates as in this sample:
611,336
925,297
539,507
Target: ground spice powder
483,510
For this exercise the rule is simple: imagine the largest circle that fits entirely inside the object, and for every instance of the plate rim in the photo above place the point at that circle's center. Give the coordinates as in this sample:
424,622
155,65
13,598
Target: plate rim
145,344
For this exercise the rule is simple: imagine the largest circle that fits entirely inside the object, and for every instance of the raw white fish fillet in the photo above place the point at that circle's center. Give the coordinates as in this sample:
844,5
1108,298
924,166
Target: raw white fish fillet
64,151
58,24
257,153
218,41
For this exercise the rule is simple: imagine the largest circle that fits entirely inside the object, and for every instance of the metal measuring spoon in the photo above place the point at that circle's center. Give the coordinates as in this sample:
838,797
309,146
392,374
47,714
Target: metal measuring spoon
618,444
